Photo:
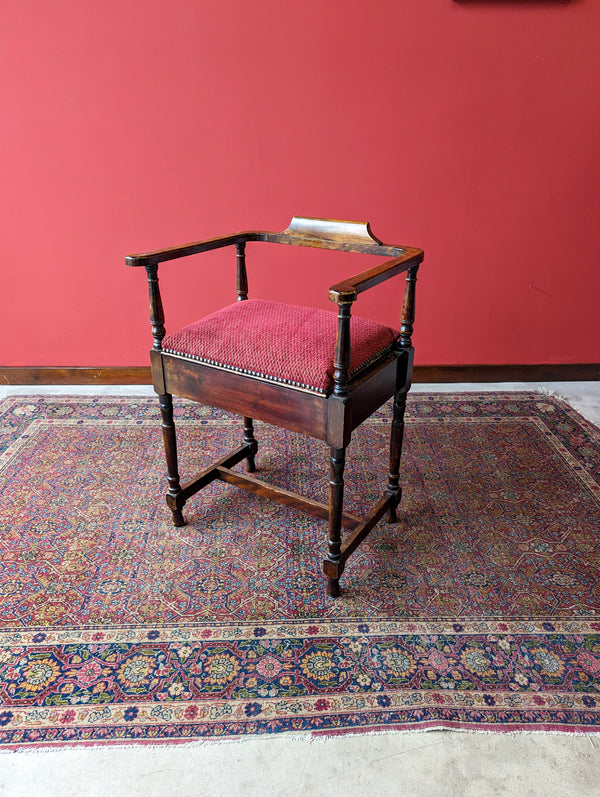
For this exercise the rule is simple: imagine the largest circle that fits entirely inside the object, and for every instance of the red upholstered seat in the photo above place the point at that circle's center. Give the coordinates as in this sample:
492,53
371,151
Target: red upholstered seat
278,342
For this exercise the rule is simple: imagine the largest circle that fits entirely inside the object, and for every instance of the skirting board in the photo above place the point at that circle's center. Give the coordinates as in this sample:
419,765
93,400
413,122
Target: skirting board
140,375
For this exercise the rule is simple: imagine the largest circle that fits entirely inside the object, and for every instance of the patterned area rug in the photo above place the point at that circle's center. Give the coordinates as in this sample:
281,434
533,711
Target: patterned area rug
479,610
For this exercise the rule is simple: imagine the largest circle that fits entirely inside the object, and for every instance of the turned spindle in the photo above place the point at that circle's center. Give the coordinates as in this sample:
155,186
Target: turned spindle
157,315
408,308
341,363
241,285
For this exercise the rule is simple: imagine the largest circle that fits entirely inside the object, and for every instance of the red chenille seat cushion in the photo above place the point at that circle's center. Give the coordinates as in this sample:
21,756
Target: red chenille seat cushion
278,342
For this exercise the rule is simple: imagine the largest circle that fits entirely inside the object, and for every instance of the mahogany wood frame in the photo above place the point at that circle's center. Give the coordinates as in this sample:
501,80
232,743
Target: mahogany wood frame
330,417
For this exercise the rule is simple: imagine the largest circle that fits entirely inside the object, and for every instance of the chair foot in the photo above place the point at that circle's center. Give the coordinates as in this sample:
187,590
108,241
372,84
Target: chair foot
333,587
178,519
392,513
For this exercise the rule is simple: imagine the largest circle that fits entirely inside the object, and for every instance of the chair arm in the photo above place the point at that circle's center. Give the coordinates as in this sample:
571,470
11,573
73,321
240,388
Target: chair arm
347,290
153,258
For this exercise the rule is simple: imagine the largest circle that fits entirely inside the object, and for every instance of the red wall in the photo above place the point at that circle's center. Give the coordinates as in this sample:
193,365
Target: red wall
468,128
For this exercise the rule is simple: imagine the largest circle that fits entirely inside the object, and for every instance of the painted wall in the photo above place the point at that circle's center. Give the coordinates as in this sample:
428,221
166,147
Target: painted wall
468,128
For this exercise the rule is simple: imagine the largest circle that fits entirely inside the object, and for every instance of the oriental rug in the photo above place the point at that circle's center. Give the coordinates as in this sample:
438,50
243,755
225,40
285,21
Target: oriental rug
479,610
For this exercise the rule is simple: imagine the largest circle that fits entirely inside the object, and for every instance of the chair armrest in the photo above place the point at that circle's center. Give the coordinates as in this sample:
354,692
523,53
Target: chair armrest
347,290
160,255
350,236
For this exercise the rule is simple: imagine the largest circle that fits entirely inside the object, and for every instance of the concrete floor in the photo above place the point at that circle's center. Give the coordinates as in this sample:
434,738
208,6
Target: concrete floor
433,763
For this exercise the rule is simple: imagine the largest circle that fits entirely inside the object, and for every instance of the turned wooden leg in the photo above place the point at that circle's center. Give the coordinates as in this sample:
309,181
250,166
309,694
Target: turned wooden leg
396,439
170,443
333,566
251,443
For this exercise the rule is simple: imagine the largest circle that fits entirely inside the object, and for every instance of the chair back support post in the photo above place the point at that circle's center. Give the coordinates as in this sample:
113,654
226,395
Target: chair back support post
408,308
157,314
341,363
242,276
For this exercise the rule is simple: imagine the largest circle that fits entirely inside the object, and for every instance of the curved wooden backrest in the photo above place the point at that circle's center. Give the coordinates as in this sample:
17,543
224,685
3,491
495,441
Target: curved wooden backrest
332,230
348,236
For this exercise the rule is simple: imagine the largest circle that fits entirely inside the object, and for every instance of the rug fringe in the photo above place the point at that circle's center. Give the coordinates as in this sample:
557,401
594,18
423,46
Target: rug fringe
299,737
547,391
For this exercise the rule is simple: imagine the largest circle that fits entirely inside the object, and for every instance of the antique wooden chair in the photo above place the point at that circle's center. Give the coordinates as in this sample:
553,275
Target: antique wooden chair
298,368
